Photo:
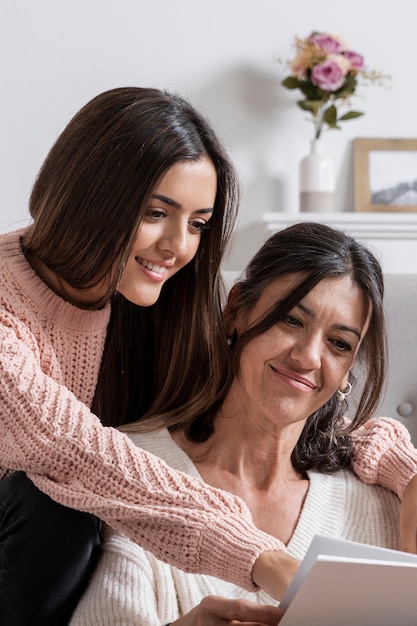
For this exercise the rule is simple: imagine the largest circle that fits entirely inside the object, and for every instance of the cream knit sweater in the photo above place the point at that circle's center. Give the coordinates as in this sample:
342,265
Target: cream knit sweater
130,587
50,353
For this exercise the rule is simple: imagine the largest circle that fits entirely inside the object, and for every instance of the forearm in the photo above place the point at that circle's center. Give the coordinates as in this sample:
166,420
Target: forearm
187,524
69,455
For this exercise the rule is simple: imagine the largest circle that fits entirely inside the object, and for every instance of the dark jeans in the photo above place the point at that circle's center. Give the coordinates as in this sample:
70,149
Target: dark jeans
47,553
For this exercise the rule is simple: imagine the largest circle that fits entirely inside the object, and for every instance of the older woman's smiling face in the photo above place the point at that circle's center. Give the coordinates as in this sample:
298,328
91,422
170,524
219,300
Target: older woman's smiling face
292,369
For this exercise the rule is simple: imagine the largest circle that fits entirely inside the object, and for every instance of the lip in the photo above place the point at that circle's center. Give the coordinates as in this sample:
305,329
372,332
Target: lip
295,380
156,270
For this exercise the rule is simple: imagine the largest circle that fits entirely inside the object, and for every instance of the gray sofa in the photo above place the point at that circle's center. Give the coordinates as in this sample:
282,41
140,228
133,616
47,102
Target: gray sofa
400,398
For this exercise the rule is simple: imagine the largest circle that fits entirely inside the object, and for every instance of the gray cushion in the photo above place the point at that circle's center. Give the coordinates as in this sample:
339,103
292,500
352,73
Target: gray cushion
401,313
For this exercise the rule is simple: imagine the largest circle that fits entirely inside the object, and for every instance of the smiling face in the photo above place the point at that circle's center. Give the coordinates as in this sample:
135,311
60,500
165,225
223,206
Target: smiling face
170,233
292,369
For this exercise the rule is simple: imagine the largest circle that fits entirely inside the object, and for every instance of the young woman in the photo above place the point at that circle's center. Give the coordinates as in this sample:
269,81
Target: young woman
306,312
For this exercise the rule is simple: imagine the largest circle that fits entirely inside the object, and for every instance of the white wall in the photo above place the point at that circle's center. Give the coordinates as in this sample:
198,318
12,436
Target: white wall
221,54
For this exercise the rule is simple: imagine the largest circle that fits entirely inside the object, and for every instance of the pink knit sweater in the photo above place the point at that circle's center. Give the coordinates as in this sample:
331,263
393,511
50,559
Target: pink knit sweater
50,354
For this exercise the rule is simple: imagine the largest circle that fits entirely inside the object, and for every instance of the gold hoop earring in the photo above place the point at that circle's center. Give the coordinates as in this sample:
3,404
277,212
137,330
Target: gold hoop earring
341,394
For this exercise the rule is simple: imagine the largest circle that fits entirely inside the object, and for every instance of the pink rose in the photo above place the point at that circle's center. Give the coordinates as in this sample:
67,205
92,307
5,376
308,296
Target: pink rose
328,76
356,60
326,43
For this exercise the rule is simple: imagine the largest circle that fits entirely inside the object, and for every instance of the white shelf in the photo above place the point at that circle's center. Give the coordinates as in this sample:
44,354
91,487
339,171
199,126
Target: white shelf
361,225
392,236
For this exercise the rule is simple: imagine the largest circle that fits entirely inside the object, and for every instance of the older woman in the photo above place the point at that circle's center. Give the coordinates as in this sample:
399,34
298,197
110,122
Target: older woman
308,310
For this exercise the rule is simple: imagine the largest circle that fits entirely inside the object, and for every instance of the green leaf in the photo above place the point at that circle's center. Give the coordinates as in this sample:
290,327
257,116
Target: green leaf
312,106
291,82
348,88
330,115
351,115
311,92
343,94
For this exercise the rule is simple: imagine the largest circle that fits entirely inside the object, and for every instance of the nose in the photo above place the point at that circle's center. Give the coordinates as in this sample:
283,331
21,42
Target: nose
175,239
307,353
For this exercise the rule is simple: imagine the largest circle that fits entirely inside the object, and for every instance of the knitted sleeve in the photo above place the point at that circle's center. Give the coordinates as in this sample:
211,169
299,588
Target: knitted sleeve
383,454
46,432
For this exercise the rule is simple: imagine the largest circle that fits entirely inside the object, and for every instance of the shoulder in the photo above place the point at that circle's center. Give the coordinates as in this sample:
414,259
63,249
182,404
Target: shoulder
371,513
340,505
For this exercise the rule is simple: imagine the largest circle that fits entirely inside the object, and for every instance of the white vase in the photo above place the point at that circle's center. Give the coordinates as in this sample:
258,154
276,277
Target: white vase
317,181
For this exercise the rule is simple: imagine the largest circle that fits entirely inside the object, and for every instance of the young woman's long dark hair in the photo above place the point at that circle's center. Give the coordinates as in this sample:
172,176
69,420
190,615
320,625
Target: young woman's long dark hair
87,205
313,252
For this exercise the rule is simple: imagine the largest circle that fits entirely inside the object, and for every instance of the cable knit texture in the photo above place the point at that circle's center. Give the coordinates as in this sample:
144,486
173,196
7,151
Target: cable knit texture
50,353
383,454
130,587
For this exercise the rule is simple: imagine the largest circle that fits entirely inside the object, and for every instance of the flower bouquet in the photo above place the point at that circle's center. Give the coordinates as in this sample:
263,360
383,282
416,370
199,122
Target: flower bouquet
326,70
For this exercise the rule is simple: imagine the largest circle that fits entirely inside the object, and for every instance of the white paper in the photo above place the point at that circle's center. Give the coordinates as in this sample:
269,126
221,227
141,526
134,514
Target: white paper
343,583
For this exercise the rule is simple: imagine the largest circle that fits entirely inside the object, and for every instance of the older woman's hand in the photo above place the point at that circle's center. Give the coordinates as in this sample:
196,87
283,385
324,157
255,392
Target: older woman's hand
408,517
217,611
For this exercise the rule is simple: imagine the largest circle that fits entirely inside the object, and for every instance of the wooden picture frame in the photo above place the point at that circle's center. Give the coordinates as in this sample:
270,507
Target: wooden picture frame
385,175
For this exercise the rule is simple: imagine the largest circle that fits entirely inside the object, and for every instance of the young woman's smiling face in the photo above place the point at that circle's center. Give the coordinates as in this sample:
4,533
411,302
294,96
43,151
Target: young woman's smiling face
292,369
170,234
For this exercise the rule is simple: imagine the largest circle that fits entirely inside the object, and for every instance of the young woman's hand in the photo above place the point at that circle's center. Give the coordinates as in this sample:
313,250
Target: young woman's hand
217,611
273,572
408,517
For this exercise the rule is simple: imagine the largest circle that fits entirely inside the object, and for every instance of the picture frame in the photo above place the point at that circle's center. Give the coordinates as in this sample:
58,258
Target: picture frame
385,175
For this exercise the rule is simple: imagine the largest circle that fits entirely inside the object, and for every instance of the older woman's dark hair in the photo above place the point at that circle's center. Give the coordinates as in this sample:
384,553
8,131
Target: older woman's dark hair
87,205
316,252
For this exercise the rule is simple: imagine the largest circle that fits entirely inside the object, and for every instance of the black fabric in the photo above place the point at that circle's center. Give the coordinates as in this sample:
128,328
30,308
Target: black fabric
47,554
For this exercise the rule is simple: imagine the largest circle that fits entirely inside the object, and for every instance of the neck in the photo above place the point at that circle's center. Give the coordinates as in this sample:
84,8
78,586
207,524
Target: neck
256,468
248,453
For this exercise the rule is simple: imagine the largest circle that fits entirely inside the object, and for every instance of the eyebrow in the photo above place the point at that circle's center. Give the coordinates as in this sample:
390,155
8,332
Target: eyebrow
349,329
175,204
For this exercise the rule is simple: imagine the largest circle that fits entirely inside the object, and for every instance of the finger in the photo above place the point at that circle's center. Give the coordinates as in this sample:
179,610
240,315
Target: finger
241,611
280,614
408,517
408,533
408,540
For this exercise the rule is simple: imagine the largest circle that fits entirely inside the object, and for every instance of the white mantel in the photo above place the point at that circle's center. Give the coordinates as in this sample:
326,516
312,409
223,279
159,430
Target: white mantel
392,236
